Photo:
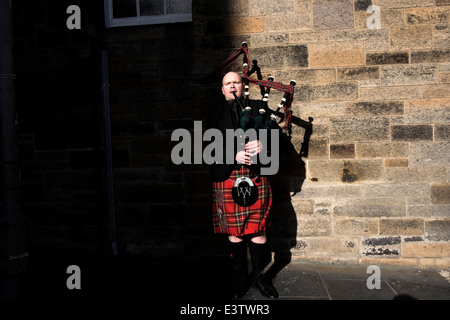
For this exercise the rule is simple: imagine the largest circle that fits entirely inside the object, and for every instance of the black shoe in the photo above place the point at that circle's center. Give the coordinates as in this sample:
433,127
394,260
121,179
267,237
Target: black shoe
265,286
239,284
239,290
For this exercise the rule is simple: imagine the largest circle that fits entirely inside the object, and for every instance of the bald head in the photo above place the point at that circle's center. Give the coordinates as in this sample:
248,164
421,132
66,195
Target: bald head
232,82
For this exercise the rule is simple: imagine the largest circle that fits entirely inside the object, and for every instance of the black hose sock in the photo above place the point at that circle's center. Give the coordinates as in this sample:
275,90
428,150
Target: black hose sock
239,281
260,257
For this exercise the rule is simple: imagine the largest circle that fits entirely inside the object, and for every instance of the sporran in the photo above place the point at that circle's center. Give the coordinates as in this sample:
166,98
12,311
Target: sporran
244,192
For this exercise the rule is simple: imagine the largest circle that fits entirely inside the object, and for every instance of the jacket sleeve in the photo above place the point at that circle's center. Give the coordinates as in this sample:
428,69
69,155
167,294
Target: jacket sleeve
220,171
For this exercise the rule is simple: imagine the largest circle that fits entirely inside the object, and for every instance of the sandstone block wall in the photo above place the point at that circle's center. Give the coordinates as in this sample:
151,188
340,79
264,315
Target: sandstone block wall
376,187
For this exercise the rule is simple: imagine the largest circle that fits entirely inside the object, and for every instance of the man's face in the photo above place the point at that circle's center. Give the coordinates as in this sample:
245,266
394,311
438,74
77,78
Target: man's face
232,82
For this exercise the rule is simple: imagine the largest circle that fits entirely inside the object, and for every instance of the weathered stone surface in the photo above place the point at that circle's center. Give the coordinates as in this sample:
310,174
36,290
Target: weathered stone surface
244,25
427,15
413,239
306,37
281,57
342,151
303,206
444,67
440,193
441,39
383,246
336,54
382,150
434,262
429,211
362,5
371,207
442,132
359,129
369,83
264,39
430,154
312,226
329,191
336,246
396,163
396,190
402,227
408,74
442,2
417,250
412,133
268,7
333,14
347,171
318,148
358,73
427,111
360,35
414,37
321,111
404,3
327,92
308,75
290,22
438,230
444,78
390,93
321,130
438,91
417,201
374,108
416,175
441,55
352,226
387,58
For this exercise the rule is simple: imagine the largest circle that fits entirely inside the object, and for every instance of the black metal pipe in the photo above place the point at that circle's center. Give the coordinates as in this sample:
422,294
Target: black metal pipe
108,155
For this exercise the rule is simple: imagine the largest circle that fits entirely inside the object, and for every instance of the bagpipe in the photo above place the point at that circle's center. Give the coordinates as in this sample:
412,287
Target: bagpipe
244,191
247,120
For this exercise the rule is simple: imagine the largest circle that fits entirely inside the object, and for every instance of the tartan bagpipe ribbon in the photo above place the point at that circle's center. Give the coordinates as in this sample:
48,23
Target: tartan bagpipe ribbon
279,86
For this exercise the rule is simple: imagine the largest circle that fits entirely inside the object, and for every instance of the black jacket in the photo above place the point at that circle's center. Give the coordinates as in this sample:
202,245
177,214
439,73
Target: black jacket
221,117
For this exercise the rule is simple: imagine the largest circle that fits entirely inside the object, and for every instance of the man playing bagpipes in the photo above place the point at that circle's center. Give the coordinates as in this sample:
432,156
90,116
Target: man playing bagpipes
242,197
241,192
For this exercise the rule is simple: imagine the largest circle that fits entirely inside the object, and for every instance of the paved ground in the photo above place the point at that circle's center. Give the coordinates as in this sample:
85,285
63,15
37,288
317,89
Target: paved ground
207,279
330,282
173,286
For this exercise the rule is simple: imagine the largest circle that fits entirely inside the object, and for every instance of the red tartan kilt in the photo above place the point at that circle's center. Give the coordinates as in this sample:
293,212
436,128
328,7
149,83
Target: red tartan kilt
233,219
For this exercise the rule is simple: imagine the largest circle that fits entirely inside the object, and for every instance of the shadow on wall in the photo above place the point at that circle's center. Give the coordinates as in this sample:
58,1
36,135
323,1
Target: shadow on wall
282,234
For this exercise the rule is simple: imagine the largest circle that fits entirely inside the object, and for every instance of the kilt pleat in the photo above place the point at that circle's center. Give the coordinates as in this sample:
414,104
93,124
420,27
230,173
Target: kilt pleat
233,219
